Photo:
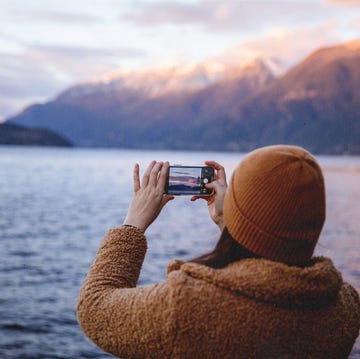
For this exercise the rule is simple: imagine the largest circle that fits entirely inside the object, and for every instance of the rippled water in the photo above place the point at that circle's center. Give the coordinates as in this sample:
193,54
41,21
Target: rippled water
56,205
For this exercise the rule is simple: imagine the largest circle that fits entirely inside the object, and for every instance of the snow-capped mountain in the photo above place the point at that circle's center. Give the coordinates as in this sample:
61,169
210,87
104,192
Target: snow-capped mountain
215,106
186,78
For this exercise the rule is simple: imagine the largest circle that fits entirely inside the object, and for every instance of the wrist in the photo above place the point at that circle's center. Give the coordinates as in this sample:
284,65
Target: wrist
134,224
220,223
131,226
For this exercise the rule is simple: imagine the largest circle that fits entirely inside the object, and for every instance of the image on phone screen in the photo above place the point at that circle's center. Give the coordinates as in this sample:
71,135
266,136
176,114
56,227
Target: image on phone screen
188,180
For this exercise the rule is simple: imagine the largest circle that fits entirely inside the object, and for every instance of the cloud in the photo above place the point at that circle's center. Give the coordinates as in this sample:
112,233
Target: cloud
23,82
288,46
167,12
42,71
354,3
75,62
227,15
82,63
79,53
11,106
61,17
41,11
64,17
22,78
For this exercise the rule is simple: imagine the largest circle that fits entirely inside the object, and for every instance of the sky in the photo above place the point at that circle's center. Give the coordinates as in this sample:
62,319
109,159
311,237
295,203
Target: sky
47,46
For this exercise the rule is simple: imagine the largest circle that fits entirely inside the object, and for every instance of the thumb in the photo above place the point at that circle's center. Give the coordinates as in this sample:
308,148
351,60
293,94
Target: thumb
213,185
166,199
216,186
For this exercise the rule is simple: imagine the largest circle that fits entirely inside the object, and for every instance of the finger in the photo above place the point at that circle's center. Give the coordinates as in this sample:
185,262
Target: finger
163,176
216,165
154,175
166,198
136,178
146,175
195,198
215,185
220,171
212,185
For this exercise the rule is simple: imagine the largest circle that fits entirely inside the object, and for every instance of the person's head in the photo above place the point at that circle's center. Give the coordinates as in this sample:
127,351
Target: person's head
274,208
275,203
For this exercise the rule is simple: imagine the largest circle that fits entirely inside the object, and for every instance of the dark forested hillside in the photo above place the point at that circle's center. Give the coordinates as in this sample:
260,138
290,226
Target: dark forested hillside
11,134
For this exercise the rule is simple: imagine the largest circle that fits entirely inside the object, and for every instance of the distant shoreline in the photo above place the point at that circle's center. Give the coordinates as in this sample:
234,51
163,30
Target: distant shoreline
156,150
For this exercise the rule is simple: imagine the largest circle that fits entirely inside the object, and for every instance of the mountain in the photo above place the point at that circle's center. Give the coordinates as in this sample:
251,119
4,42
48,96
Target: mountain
316,104
149,110
215,106
11,134
152,83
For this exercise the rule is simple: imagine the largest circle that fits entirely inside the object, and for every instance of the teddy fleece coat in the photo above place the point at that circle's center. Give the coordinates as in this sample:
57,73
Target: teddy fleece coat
253,308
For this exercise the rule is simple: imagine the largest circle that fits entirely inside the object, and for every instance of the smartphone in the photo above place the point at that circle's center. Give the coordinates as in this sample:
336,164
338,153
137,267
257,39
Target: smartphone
189,180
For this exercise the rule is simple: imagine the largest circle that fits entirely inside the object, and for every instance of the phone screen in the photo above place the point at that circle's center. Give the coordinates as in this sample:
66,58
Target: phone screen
189,180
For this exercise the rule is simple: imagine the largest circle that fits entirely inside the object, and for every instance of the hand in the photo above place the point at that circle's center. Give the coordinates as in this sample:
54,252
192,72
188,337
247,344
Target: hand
149,198
215,202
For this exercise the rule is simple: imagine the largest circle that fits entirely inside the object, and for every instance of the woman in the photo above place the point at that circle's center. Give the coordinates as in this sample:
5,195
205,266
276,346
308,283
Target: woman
258,294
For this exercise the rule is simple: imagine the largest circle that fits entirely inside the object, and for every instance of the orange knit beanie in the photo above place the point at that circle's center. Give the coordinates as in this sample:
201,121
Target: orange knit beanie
275,203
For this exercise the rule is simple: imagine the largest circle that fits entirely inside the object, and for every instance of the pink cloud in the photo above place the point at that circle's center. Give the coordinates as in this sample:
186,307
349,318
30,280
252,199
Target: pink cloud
226,15
290,46
345,2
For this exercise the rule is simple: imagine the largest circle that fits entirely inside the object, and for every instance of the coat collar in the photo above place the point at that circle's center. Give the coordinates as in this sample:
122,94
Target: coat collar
273,282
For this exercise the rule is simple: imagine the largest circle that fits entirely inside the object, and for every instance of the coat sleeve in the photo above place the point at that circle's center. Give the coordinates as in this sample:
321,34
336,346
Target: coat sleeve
123,320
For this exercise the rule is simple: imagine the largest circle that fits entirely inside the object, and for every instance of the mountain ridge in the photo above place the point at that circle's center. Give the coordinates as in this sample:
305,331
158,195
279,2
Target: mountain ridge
316,104
153,83
320,97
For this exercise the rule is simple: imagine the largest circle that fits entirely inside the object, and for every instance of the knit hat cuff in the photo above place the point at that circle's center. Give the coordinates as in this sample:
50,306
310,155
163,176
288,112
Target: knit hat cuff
253,238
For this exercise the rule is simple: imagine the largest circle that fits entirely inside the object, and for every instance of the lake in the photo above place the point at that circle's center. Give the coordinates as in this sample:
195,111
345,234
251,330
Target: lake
57,204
